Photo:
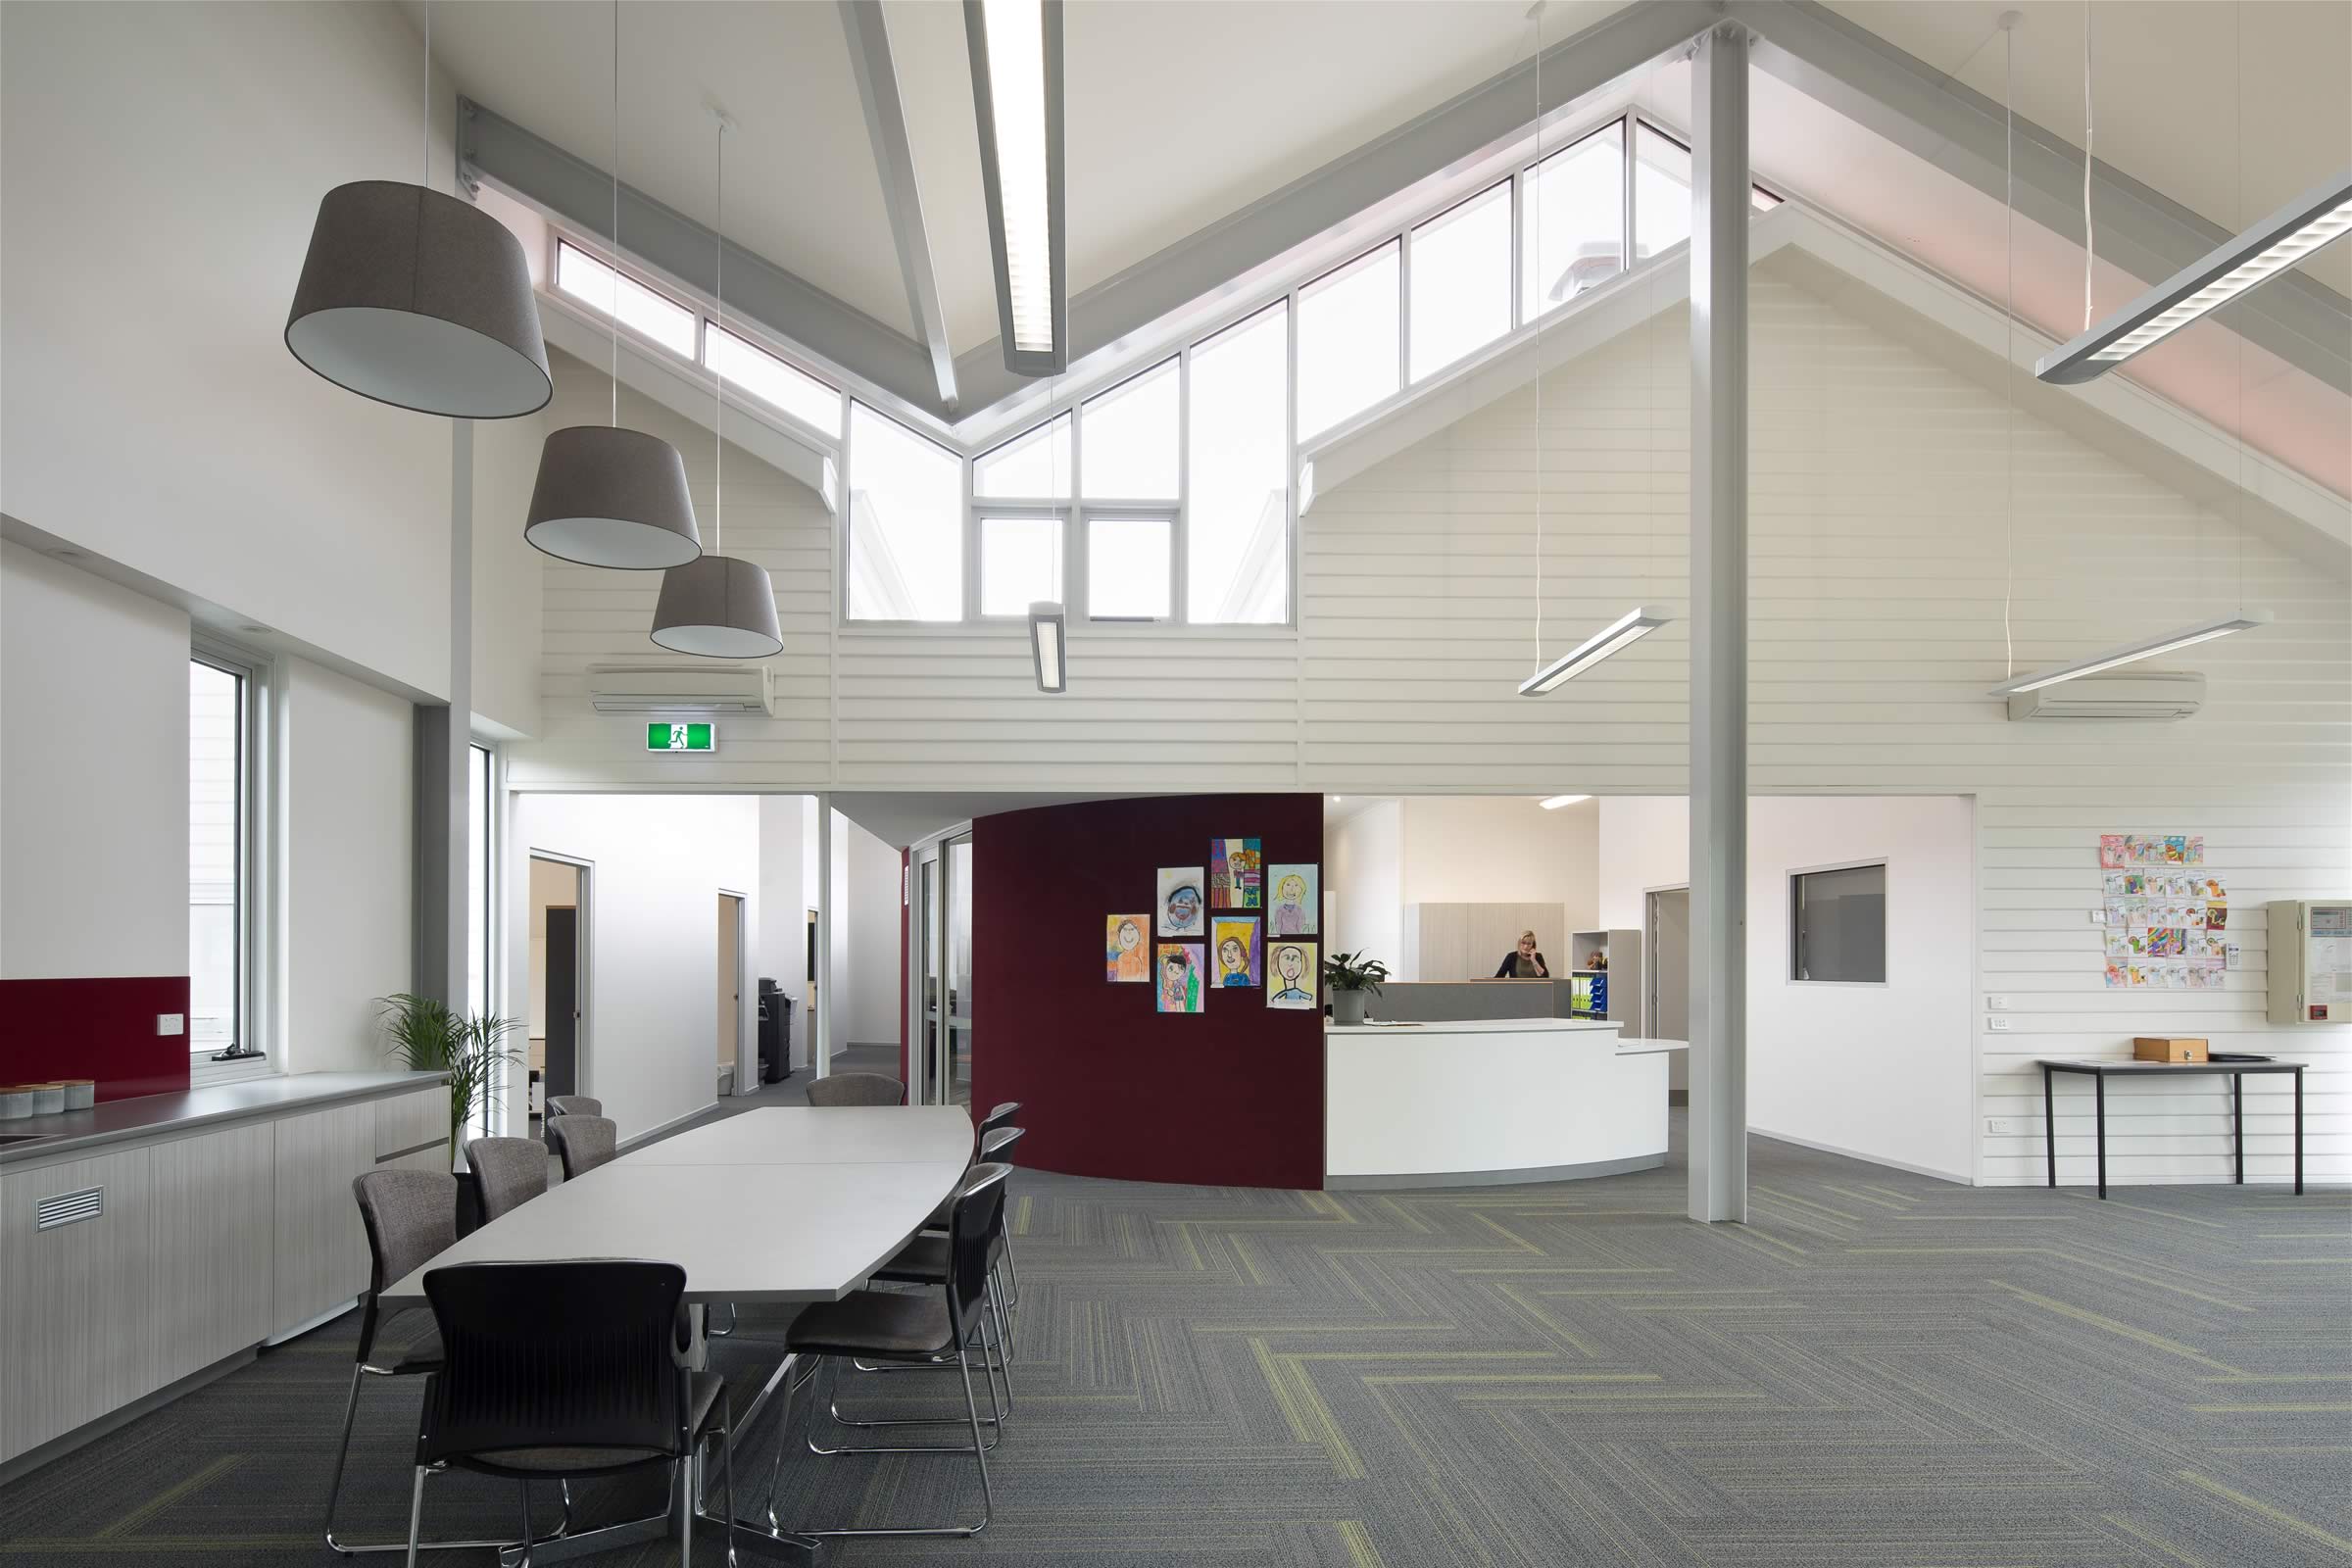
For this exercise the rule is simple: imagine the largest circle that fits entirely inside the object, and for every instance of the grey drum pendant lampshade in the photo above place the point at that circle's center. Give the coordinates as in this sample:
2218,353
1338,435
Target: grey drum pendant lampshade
420,300
608,497
718,607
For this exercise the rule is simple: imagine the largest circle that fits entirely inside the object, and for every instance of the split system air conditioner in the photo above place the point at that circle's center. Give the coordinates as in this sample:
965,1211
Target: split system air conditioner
2153,695
690,687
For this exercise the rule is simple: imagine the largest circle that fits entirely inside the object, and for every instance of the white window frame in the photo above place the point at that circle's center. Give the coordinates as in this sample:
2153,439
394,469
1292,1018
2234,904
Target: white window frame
1788,904
256,1028
976,518
1080,606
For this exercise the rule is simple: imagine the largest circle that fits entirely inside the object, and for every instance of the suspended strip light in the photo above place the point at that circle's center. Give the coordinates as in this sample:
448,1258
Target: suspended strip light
2294,232
718,607
2131,653
1558,801
1049,627
605,495
1630,628
1015,48
417,299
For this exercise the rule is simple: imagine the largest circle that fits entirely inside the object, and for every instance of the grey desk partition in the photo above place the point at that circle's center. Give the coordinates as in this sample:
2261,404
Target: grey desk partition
1467,1001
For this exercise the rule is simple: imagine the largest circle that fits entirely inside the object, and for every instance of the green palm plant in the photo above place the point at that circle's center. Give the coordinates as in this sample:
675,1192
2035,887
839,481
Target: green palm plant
424,1034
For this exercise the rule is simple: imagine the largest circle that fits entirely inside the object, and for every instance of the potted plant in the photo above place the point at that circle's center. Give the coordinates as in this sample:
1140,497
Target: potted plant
427,1034
1351,978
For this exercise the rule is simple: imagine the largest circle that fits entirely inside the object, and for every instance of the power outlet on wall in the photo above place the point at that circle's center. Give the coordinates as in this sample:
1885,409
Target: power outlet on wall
170,1023
2000,1124
2000,1025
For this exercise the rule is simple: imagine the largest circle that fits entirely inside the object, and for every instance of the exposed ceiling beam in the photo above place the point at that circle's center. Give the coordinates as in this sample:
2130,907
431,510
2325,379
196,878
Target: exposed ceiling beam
581,194
1851,70
1458,129
893,161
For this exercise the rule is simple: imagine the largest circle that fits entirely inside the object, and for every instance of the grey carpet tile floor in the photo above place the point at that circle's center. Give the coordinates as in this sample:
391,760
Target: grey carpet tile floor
1880,1369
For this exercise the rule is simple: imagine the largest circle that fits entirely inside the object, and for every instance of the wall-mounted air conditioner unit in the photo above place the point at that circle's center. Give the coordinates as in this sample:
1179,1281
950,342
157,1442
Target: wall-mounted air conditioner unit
2153,695
693,686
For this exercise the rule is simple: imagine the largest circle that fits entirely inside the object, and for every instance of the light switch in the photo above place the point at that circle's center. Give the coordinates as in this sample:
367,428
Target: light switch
170,1023
1997,1004
2099,917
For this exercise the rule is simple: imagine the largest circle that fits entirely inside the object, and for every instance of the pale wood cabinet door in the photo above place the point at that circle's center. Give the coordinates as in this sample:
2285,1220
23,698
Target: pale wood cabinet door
403,1122
213,1212
74,1299
322,1248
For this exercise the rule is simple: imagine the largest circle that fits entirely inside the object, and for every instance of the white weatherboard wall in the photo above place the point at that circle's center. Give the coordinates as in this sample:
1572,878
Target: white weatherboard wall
1880,1071
93,775
1883,547
162,166
658,862
349,933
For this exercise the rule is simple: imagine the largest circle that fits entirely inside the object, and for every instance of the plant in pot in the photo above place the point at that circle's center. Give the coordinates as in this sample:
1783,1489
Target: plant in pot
427,1034
1352,979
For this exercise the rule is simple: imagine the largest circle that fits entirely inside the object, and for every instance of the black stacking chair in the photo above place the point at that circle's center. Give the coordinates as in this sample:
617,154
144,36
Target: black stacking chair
558,1370
411,1219
582,1143
507,1173
573,1106
857,1089
912,1327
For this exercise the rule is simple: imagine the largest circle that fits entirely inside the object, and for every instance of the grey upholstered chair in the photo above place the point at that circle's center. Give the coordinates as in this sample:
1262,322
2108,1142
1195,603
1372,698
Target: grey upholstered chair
583,1143
411,1219
1002,1117
573,1106
507,1173
857,1089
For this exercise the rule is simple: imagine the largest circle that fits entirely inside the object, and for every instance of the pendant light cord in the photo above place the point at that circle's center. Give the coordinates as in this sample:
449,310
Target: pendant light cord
613,303
718,362
2089,236
428,94
2009,23
1535,15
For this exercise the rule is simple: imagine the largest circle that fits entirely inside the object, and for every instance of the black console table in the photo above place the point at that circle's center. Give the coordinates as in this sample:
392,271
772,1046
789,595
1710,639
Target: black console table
2098,1072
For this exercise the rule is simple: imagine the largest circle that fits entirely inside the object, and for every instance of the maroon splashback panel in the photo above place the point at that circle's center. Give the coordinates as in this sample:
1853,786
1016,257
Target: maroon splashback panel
98,1028
1109,1087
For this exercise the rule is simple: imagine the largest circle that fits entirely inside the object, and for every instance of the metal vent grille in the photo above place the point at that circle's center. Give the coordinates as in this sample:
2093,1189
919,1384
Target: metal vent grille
69,1209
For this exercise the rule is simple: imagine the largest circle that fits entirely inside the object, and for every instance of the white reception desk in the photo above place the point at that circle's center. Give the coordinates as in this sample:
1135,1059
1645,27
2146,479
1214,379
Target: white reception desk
1490,1102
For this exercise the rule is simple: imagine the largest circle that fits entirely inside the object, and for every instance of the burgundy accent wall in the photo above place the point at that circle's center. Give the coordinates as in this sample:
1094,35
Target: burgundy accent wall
98,1028
1109,1087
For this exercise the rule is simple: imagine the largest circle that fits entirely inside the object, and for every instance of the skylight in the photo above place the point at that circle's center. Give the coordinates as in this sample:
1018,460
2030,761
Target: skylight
771,380
641,310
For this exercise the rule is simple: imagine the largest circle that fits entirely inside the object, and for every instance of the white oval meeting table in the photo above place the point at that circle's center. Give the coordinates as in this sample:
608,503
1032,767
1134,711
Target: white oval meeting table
810,1202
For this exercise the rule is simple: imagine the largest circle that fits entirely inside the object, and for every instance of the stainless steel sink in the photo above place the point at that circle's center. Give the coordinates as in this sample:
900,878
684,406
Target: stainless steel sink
7,1139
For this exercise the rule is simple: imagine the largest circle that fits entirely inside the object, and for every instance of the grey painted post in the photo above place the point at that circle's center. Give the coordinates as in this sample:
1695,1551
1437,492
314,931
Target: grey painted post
1719,199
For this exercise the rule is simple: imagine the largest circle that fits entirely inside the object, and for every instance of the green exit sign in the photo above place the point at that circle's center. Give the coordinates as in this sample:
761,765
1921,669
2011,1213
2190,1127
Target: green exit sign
681,737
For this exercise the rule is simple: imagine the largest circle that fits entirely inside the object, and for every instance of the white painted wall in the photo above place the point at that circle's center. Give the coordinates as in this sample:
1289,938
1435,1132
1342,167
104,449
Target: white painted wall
162,166
1364,852
659,862
787,892
1880,1071
507,582
348,925
867,909
93,775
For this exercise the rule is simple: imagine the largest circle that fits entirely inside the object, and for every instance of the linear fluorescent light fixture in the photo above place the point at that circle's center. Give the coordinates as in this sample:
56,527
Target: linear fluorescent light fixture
1632,625
1558,801
1015,47
1049,642
2302,226
2131,653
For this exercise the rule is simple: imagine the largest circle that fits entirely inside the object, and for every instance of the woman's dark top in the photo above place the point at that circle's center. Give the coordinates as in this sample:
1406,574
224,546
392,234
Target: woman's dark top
1509,969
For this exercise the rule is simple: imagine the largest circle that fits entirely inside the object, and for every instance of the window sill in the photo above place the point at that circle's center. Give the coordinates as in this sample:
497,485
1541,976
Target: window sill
206,1073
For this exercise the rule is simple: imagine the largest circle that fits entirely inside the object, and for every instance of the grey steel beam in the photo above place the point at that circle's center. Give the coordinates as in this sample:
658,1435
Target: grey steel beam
1718,198
581,194
877,76
1851,70
1575,69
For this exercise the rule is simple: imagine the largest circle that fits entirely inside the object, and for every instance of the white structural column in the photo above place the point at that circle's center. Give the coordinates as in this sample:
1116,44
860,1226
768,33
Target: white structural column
820,1036
443,734
1719,206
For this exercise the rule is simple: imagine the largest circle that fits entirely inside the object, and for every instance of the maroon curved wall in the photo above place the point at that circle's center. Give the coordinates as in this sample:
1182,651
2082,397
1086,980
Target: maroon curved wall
1109,1087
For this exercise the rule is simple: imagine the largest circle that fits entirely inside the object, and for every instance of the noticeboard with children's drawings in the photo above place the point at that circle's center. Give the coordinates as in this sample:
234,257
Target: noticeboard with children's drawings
2167,916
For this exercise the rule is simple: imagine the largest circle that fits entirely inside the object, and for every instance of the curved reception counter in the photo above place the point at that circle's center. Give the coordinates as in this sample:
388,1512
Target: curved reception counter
1490,1102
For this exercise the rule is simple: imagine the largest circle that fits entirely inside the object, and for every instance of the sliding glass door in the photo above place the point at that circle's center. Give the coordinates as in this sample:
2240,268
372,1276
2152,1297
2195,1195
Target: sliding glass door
940,1000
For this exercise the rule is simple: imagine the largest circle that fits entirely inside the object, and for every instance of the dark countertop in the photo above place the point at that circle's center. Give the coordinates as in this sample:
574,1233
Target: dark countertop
155,1115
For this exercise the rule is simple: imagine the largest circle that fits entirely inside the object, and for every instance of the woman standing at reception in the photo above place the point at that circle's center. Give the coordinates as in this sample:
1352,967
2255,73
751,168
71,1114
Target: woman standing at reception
1523,962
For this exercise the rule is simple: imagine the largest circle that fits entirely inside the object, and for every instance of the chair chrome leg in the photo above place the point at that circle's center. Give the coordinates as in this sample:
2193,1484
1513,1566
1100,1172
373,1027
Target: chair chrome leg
525,1561
776,1470
416,1512
720,1334
334,1486
995,1420
688,1464
726,1468
979,1452
988,1491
